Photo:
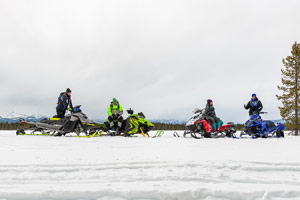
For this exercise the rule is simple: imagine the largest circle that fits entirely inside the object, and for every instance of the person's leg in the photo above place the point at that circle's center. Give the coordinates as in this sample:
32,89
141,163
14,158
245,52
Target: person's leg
59,112
212,121
110,121
63,114
120,121
106,126
218,122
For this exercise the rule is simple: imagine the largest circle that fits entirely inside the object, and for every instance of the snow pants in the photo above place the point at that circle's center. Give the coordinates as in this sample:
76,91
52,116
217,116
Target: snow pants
215,122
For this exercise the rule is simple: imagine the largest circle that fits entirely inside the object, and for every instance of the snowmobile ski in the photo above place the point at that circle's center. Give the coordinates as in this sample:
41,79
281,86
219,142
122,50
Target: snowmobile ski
175,134
44,133
95,134
158,134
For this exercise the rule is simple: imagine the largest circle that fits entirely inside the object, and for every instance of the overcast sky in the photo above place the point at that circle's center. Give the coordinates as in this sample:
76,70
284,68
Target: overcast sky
161,57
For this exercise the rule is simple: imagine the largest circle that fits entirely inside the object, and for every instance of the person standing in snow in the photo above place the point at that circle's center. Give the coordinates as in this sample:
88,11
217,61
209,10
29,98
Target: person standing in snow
254,105
114,113
210,115
64,101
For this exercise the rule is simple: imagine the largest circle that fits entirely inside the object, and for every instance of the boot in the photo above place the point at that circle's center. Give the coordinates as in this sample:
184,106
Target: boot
214,127
219,124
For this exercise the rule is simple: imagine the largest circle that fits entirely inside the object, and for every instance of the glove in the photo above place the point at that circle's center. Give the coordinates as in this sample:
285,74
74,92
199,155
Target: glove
245,106
70,109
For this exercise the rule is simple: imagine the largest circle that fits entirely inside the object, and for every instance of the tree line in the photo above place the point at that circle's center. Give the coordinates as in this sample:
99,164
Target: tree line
158,126
13,126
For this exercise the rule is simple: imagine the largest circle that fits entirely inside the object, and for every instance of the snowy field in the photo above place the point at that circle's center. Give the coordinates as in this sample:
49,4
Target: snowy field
103,168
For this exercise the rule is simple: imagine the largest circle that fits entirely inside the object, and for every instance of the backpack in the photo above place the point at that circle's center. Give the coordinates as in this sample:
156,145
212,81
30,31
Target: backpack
59,97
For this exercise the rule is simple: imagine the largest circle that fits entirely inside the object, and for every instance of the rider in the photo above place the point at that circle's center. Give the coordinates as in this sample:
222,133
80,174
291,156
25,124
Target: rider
64,101
115,112
210,115
254,105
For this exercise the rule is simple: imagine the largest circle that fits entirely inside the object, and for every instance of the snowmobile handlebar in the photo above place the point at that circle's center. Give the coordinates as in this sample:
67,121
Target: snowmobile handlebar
263,112
130,111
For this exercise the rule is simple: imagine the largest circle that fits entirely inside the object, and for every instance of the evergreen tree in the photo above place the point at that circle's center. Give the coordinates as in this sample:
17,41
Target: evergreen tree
290,89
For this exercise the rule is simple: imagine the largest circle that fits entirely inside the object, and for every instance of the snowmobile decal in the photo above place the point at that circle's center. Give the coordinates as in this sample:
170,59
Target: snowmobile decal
206,125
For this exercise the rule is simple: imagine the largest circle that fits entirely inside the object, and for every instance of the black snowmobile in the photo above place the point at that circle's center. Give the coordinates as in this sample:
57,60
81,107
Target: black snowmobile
76,122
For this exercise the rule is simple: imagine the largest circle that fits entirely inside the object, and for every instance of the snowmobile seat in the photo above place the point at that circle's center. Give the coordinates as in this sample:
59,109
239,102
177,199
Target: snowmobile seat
54,118
270,124
223,127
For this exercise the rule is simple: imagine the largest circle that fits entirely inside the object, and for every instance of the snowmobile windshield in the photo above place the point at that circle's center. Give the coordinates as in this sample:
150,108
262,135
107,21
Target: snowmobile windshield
76,109
197,110
141,115
255,117
248,123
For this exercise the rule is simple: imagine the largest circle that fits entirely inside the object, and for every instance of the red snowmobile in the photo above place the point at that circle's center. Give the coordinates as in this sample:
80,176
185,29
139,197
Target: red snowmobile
198,126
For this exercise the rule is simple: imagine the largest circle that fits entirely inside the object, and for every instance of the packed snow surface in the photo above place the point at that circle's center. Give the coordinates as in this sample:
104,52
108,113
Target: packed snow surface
103,168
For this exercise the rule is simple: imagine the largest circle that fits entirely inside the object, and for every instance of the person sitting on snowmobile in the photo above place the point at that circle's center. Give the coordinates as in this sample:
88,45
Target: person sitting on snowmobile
64,101
254,105
115,112
210,115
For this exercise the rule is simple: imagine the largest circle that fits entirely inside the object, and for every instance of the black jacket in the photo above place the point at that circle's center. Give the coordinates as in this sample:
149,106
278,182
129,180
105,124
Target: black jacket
209,110
65,102
254,108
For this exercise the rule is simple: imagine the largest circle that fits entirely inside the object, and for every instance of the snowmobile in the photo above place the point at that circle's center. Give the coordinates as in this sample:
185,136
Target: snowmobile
257,127
134,124
76,122
137,124
198,127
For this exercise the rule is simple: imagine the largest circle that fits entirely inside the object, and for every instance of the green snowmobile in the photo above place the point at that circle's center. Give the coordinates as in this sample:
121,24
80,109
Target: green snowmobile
134,124
137,124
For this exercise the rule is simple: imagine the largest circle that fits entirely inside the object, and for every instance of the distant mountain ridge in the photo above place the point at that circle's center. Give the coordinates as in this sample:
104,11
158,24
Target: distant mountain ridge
168,121
15,117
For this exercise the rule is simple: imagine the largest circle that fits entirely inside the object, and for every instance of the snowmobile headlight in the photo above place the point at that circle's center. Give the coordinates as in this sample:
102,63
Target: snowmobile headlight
76,109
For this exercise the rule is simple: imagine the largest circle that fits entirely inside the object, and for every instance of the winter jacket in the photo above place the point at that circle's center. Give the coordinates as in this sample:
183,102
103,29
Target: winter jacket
114,109
65,102
255,106
210,111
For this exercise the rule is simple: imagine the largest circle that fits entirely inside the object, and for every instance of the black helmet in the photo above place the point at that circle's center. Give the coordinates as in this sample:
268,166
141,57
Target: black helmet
68,90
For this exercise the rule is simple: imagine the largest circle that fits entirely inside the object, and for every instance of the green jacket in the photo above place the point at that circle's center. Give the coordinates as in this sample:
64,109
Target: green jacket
114,109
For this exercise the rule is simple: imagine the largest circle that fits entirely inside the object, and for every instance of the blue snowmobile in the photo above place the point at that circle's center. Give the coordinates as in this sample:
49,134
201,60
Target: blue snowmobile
257,127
